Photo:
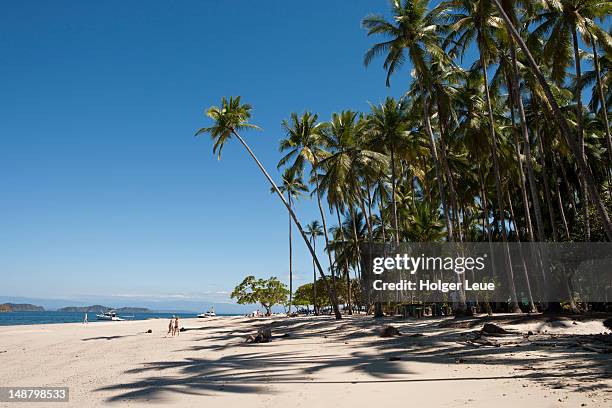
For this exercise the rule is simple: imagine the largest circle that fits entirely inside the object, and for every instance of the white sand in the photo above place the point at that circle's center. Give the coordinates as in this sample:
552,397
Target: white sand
323,363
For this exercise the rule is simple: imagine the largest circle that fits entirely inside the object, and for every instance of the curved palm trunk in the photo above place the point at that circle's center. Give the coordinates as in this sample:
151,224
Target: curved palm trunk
498,188
331,290
563,125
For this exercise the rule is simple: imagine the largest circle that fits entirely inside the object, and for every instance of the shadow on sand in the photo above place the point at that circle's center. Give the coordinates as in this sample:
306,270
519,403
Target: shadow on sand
254,368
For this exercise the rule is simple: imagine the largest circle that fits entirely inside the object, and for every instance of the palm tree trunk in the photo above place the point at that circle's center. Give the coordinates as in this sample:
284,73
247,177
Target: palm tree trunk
381,207
498,187
331,290
323,220
604,112
563,125
547,192
522,181
570,191
346,265
578,99
290,255
532,307
393,201
449,175
537,209
434,155
484,203
314,280
559,198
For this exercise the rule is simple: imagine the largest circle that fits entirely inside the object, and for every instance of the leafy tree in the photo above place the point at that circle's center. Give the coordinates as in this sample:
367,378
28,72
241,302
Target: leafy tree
267,292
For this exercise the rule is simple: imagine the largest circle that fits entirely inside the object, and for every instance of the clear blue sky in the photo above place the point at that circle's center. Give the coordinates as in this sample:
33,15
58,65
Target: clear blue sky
104,188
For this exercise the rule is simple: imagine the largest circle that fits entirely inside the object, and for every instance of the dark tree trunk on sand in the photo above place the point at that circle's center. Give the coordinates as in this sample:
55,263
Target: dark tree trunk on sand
331,291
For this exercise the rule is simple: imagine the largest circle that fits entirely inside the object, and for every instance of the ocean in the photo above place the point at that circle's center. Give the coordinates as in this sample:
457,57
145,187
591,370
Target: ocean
18,318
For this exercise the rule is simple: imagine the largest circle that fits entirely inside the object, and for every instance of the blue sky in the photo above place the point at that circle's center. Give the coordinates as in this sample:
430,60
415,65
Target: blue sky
105,191
104,188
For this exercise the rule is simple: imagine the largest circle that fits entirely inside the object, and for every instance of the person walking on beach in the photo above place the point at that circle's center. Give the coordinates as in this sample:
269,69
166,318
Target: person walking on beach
85,321
171,326
176,326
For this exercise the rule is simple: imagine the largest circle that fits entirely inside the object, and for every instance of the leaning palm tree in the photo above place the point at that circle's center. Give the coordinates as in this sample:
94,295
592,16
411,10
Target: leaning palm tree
295,188
314,230
563,124
230,118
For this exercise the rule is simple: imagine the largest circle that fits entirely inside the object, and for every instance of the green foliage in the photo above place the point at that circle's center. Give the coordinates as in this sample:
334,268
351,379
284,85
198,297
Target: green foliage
267,292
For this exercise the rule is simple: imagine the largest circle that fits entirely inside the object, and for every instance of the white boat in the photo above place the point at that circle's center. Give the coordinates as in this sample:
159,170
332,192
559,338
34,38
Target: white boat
109,315
209,313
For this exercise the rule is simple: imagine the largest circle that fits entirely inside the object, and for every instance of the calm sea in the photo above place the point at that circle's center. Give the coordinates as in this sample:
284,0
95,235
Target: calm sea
13,318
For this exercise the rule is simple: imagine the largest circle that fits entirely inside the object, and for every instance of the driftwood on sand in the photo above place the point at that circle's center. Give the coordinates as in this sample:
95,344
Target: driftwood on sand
389,331
264,335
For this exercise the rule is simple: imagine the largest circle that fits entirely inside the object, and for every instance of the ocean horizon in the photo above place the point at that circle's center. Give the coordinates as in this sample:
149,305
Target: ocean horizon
55,317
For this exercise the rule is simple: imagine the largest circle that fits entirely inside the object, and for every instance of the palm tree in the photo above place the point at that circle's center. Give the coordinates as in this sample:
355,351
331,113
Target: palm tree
314,230
293,186
230,118
303,144
563,124
388,127
412,31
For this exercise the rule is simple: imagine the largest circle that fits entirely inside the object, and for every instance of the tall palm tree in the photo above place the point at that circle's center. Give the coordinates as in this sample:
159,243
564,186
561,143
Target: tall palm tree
388,127
562,123
411,32
475,21
295,188
303,145
229,119
314,230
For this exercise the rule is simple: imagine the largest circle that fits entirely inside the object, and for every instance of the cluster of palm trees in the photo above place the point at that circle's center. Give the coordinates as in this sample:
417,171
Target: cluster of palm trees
503,149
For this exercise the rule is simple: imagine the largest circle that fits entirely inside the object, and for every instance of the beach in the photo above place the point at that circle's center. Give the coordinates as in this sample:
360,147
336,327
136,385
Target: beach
315,361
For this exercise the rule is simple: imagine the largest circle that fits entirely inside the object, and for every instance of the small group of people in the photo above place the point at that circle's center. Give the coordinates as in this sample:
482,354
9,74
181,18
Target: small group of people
173,327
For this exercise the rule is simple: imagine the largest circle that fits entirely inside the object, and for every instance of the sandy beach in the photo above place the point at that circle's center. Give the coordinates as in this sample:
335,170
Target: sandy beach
315,361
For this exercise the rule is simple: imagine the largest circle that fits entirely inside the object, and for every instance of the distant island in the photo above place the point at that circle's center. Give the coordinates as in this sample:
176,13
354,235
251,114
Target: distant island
102,309
20,307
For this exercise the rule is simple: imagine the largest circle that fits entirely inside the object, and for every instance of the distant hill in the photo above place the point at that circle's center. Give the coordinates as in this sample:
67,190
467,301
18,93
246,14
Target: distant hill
20,307
102,309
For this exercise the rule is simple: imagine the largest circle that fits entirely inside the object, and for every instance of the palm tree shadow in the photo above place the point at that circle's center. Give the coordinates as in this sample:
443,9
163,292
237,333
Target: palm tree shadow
254,368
